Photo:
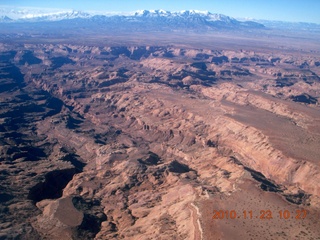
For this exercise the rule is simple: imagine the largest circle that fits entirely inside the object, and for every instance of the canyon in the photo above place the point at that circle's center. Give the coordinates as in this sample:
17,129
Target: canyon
119,140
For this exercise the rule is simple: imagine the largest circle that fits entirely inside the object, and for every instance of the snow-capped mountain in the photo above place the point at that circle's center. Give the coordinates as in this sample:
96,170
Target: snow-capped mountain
5,19
190,18
37,15
57,16
16,13
162,18
143,19
20,14
184,14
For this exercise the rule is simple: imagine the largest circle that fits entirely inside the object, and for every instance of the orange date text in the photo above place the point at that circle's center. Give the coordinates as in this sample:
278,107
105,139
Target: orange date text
266,214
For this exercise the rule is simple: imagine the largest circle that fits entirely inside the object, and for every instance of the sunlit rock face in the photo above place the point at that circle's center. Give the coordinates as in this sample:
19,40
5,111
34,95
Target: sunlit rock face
140,141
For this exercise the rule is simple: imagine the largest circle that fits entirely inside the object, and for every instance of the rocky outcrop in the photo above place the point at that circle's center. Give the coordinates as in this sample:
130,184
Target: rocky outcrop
138,142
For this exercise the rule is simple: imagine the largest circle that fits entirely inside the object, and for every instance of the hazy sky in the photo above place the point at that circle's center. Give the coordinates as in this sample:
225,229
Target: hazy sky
286,10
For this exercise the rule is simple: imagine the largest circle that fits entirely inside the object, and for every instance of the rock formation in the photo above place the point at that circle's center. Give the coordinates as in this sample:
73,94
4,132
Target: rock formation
147,142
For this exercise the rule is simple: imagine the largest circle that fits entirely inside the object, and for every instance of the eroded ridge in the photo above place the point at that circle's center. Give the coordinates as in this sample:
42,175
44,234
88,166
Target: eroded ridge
148,142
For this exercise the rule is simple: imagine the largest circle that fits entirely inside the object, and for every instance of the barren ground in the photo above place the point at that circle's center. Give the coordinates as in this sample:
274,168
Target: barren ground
106,138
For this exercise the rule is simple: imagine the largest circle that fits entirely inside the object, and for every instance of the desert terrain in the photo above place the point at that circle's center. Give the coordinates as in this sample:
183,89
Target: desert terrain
150,137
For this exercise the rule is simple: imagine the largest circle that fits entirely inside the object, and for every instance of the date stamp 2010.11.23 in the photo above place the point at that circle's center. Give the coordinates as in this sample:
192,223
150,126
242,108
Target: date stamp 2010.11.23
299,214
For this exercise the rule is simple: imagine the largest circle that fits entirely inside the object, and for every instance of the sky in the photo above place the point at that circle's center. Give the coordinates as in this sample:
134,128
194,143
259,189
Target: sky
283,10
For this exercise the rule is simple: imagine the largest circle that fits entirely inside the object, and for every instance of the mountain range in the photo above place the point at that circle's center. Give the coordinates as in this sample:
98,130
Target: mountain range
145,18
154,20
